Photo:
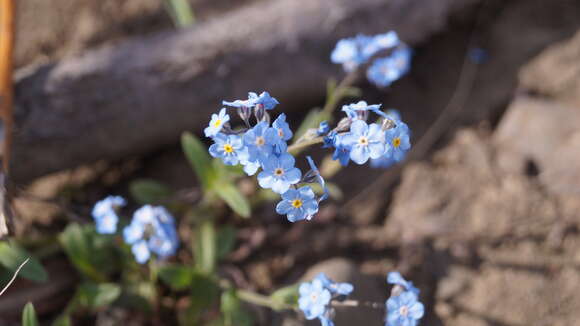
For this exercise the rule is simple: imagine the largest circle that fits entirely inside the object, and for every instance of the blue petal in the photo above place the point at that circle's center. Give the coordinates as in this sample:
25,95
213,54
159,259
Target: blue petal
293,175
359,127
359,154
141,252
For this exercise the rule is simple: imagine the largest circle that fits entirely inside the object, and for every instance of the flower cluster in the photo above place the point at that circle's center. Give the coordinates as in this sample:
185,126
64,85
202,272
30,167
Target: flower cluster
263,145
403,307
359,50
152,229
384,142
315,298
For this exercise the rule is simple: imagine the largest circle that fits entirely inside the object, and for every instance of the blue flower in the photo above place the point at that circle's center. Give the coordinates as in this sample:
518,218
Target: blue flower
365,141
105,214
315,174
279,173
352,52
152,230
229,148
253,99
398,140
384,71
404,310
314,299
341,151
298,204
334,287
282,127
323,128
260,141
396,279
329,140
216,123
359,110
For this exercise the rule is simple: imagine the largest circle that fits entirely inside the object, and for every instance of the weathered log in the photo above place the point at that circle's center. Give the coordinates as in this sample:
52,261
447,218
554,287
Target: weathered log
136,96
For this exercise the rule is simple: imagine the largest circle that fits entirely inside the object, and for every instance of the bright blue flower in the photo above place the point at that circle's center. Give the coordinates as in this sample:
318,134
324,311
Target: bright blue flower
365,141
341,151
298,204
253,99
314,299
396,279
229,148
152,230
314,173
398,140
404,310
329,140
384,71
352,52
216,123
105,214
323,128
359,110
279,173
334,287
260,141
282,127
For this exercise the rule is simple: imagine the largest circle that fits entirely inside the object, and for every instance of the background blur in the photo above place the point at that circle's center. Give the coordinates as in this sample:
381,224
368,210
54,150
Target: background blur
484,216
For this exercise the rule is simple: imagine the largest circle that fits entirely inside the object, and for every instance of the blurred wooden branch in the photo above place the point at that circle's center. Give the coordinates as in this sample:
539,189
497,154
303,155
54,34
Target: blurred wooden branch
134,97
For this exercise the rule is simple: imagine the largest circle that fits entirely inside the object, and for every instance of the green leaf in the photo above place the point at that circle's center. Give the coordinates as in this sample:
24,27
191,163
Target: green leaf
178,277
226,239
204,293
147,191
286,296
62,321
232,310
93,295
234,198
12,256
81,248
199,159
181,12
29,316
205,247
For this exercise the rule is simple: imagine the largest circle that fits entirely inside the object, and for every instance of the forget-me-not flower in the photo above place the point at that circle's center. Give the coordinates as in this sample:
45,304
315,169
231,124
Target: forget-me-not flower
397,279
323,128
229,148
152,230
384,71
334,287
341,150
314,299
404,310
360,110
253,99
279,173
260,141
298,204
282,127
216,123
352,52
365,141
105,214
398,140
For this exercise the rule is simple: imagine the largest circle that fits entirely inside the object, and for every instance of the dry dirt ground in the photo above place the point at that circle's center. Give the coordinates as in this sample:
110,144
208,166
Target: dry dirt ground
487,225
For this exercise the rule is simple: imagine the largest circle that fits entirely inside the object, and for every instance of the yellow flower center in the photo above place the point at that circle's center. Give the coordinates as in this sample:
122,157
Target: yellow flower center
296,203
260,141
363,141
217,123
278,172
228,148
396,142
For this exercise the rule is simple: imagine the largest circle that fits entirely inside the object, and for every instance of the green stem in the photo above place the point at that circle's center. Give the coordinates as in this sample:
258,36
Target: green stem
294,148
181,12
339,93
261,300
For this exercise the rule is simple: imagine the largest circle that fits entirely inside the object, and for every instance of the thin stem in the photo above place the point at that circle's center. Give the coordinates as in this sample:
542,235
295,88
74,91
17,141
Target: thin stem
14,276
355,303
338,94
297,147
255,298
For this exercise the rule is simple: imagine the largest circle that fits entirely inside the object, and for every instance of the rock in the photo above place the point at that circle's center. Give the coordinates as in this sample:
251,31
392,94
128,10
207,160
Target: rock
556,72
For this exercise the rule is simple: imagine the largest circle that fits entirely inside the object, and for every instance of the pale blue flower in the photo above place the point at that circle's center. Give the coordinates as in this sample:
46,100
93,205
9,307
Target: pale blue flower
365,141
279,173
253,99
260,141
216,123
397,279
314,299
229,148
359,110
404,310
298,204
353,52
384,71
398,140
105,214
341,150
335,287
282,127
152,230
